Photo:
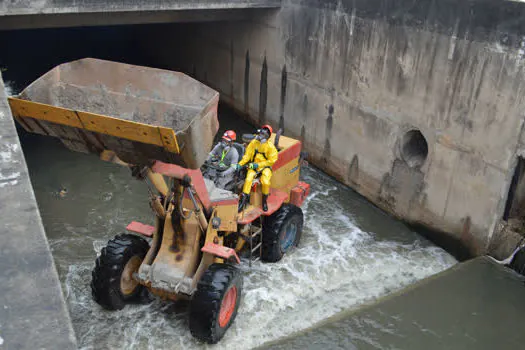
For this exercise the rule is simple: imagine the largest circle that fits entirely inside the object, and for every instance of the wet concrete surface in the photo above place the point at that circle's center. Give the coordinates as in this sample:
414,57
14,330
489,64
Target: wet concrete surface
33,314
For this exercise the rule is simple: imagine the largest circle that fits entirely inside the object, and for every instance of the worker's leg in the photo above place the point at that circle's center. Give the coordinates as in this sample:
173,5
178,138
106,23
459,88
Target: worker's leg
245,196
266,176
250,175
265,180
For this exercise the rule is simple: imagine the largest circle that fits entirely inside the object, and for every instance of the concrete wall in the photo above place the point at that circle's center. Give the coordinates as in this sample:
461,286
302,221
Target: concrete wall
23,14
351,78
33,314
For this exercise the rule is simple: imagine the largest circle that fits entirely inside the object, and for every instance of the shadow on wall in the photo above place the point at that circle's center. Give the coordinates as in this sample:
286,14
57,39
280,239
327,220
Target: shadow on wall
27,54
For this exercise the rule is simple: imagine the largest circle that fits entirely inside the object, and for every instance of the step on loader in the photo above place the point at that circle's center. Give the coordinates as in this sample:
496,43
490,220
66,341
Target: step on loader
161,124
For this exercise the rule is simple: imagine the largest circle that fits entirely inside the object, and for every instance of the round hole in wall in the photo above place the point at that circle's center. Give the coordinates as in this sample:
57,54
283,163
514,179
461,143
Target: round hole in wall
414,148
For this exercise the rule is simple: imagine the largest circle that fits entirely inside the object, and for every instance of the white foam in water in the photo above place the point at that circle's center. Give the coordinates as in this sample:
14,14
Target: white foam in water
98,245
337,266
8,88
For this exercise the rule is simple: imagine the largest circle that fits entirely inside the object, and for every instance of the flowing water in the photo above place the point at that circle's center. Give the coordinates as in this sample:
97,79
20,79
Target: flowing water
350,253
477,304
8,88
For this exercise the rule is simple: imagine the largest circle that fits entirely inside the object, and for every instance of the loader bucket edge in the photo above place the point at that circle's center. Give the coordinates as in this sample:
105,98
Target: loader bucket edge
124,129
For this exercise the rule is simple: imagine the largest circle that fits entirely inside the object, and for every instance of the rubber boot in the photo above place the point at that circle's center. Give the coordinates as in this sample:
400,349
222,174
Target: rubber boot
264,203
245,199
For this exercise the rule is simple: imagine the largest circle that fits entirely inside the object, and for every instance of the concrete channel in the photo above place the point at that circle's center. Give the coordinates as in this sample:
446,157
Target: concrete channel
357,84
33,314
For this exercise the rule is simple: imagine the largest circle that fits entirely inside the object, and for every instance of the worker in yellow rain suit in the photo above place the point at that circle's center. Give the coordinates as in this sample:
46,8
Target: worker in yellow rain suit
260,155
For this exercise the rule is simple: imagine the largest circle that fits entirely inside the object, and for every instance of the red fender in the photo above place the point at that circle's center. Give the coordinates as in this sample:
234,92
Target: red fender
220,251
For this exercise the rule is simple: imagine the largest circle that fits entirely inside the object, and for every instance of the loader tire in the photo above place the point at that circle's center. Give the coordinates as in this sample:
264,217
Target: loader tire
112,286
281,231
215,302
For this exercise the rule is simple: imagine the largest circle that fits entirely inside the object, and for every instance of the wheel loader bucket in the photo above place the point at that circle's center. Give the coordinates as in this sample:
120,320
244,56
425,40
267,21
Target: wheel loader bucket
142,114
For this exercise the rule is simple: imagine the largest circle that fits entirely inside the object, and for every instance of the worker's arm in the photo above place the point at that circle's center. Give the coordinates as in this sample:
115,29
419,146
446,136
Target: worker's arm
216,151
271,156
248,154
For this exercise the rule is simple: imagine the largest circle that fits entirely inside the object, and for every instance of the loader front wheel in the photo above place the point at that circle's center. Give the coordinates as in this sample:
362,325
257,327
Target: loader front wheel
215,302
281,231
112,284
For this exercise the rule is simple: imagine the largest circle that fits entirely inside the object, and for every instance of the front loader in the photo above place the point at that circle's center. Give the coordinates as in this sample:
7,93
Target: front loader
161,124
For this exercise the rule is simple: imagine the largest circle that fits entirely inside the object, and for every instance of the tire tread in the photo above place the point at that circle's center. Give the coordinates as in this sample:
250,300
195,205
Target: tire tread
206,302
105,282
271,250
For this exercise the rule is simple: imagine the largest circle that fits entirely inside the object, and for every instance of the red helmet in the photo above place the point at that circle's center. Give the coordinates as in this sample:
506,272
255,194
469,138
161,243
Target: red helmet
269,128
229,135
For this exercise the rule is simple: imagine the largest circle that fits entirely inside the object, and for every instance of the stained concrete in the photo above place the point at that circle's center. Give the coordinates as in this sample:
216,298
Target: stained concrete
24,14
352,78
33,313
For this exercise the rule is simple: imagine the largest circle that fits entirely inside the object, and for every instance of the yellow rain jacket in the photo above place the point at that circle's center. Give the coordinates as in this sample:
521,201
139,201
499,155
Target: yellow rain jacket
265,155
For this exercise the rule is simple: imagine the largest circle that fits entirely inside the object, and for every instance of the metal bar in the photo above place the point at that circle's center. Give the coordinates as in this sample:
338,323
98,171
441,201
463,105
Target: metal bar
251,251
198,212
158,181
257,246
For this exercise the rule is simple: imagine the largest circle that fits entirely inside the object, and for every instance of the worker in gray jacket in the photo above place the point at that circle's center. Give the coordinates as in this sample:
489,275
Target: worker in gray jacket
220,161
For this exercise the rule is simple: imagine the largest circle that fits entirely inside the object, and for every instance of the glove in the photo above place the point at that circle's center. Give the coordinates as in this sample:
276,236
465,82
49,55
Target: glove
237,166
253,166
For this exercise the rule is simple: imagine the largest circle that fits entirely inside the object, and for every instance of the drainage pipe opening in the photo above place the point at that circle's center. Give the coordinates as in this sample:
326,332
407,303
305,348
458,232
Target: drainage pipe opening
414,148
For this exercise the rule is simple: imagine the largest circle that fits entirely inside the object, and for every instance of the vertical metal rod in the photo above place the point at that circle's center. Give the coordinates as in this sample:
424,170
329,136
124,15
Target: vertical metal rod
158,181
198,212
251,245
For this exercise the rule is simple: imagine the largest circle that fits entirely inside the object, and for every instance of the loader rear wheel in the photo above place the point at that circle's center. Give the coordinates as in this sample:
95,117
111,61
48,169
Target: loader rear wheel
112,284
215,303
281,231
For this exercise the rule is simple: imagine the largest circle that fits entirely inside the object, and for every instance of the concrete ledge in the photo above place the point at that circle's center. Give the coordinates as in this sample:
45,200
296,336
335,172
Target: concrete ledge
89,19
33,313
28,7
24,14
